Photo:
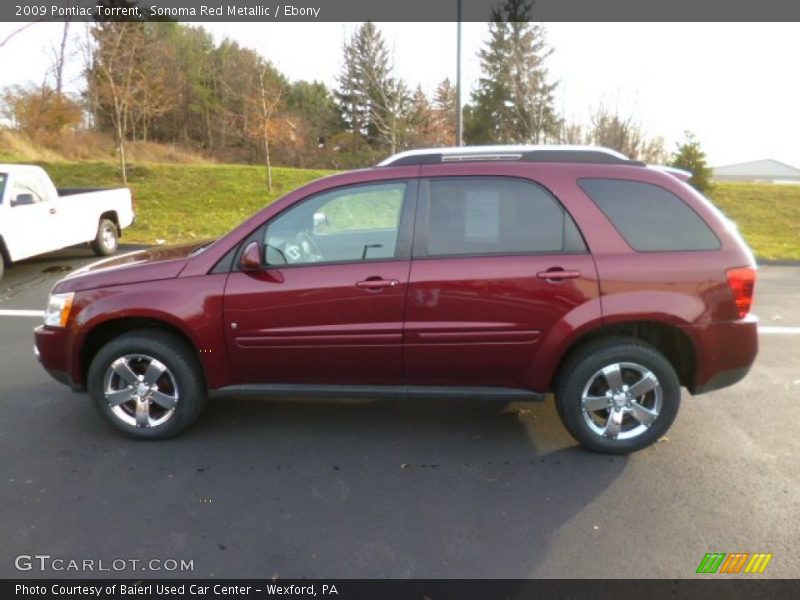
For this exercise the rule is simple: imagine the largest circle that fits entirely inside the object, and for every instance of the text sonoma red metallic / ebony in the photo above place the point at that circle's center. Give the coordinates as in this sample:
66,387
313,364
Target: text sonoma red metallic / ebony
493,272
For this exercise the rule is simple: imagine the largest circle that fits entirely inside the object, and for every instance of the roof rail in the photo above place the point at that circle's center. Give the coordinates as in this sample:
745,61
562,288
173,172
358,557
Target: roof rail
544,153
681,174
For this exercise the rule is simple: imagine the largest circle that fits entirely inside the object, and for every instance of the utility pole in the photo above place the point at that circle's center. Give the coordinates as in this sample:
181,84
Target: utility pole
459,104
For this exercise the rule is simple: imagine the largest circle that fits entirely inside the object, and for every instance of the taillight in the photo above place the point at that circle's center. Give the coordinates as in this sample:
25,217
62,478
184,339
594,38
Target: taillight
741,282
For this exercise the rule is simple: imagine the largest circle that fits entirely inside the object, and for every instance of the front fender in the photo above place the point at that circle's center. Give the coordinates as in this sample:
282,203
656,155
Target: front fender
193,306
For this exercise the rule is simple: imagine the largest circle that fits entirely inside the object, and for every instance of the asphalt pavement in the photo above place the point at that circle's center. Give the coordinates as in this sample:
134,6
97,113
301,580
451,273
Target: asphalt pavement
346,489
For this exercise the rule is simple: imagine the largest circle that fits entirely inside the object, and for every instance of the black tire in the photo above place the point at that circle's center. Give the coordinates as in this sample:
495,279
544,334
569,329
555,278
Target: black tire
583,369
2,266
182,379
106,241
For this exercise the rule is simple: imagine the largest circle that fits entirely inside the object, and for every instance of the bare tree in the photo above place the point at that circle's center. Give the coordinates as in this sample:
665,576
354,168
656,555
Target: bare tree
574,134
16,32
390,101
625,135
61,58
116,78
158,85
265,98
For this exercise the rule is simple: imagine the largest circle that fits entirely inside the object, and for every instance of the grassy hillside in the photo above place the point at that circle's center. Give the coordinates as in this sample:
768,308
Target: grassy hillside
767,215
185,202
192,201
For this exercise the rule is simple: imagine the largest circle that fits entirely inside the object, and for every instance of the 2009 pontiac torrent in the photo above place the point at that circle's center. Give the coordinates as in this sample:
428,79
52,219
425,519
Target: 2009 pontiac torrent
496,272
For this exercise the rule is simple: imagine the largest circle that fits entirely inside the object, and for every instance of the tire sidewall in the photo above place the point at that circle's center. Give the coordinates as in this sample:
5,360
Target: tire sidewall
578,373
99,247
173,353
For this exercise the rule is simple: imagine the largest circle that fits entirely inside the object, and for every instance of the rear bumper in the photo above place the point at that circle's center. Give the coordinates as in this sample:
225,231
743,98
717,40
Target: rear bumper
51,348
725,353
722,380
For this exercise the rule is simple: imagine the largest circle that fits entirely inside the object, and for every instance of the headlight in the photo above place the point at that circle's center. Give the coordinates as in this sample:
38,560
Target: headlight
58,309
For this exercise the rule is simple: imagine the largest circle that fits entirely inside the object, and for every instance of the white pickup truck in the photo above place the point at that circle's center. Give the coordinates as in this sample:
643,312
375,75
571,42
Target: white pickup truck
36,218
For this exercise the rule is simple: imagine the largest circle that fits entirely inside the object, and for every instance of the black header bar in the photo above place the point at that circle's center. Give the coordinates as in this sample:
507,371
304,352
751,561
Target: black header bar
405,10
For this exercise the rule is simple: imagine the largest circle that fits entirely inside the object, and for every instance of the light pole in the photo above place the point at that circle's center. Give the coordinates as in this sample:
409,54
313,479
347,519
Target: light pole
459,116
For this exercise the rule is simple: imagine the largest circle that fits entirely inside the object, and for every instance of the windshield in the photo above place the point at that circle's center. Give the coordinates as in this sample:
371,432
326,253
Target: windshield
3,178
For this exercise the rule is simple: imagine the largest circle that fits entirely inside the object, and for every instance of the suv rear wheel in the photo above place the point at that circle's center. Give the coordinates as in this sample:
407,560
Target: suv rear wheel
147,384
617,395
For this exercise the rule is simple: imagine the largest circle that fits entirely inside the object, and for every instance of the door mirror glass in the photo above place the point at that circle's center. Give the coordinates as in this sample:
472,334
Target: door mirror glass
251,257
23,200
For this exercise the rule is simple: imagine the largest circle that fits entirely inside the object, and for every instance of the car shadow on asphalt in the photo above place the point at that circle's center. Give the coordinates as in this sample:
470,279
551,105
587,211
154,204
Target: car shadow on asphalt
415,488
291,488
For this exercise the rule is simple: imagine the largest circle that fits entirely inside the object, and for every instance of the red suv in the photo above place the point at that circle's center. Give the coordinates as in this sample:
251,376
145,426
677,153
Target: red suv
492,272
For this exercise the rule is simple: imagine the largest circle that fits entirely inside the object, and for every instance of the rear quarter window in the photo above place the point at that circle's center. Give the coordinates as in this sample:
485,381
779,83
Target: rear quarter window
650,218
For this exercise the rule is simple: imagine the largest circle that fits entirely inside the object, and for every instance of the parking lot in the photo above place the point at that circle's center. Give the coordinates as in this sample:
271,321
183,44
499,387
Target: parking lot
446,489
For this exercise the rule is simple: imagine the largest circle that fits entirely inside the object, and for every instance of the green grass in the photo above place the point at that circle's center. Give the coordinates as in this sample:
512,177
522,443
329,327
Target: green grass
186,202
176,203
768,216
378,208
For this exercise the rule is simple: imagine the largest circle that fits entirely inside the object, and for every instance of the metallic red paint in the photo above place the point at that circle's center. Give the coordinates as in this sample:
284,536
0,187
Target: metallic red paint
458,321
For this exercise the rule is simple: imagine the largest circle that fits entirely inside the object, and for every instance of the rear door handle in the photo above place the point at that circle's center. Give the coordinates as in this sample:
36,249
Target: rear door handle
377,283
558,274
52,211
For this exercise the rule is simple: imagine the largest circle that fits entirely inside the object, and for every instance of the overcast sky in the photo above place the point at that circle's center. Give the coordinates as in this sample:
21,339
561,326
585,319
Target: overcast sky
735,85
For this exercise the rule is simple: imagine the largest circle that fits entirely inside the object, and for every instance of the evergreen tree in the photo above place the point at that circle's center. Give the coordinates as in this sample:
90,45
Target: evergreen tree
351,95
689,156
372,101
513,102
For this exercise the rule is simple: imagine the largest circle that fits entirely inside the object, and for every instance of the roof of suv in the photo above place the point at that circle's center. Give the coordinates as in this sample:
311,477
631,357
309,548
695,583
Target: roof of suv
542,153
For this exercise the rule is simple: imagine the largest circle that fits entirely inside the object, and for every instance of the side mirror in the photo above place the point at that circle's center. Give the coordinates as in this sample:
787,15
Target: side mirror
251,259
22,200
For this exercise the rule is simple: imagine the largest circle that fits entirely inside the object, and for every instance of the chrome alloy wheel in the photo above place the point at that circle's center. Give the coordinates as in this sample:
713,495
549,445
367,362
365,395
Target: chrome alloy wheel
140,390
621,401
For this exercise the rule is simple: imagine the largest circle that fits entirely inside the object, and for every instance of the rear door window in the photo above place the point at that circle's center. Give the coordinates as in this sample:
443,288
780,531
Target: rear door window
495,215
650,218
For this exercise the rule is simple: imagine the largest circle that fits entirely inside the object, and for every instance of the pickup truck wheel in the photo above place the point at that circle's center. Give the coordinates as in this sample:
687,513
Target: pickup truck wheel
148,384
617,396
105,243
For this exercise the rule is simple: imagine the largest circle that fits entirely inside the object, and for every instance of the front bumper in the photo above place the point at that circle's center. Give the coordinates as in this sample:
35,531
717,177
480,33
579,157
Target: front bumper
51,348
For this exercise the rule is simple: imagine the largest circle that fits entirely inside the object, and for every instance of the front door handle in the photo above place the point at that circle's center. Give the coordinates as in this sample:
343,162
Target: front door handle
558,274
375,284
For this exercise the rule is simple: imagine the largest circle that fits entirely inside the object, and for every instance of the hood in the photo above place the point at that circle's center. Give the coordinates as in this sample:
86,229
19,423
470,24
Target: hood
152,264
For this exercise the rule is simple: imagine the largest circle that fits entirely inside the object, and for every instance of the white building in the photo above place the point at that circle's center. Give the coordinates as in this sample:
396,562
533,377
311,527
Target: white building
768,171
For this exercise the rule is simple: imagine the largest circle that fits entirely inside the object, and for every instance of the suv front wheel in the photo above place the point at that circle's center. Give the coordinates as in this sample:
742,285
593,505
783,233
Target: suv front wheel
147,384
617,395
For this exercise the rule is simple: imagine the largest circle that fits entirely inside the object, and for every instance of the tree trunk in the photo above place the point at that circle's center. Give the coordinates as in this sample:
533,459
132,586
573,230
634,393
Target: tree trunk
121,149
269,166
61,59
